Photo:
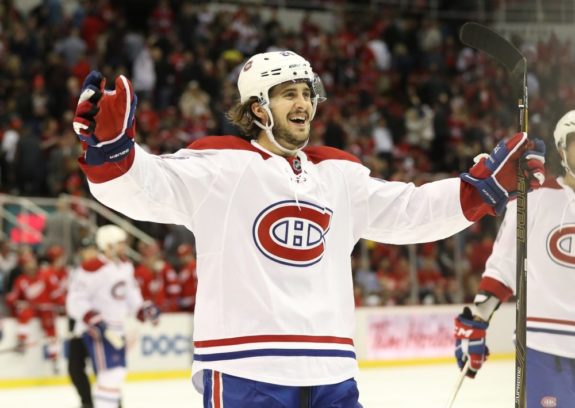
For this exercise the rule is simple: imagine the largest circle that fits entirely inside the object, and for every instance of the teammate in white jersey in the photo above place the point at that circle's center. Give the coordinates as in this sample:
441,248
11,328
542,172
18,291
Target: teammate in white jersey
103,294
275,224
550,268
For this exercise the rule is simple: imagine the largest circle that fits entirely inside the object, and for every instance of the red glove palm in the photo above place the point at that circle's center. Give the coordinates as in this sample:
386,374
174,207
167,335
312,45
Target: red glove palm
104,120
149,312
495,175
470,342
99,330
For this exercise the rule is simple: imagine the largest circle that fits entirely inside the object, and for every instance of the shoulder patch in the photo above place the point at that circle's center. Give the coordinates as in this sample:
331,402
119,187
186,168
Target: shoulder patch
317,154
225,143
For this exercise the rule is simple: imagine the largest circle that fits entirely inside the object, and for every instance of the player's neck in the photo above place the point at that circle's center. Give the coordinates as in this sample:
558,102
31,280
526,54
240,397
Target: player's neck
264,142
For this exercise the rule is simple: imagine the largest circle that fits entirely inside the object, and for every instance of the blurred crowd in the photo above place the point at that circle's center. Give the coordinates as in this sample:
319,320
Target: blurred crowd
403,95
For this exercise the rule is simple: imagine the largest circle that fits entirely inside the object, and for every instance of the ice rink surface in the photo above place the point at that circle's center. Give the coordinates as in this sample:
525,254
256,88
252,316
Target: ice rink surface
426,386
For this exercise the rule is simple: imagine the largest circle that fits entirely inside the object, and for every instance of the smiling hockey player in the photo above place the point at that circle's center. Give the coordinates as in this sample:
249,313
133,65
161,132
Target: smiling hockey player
275,224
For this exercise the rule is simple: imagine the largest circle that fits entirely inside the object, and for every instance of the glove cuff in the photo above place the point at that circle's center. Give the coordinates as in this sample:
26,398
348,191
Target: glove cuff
92,318
490,192
110,153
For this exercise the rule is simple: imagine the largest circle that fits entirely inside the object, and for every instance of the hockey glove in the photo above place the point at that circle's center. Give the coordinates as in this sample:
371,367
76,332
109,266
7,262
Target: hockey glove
470,342
149,312
99,331
495,175
104,120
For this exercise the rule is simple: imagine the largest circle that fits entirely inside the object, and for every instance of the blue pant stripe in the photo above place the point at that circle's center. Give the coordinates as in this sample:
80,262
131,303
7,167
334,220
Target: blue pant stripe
274,352
551,331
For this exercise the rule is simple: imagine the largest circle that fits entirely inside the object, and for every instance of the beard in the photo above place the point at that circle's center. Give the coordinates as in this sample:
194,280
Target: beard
289,139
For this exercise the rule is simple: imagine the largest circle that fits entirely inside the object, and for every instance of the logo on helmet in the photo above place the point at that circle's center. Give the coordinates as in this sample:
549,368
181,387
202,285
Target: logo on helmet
248,65
561,245
292,234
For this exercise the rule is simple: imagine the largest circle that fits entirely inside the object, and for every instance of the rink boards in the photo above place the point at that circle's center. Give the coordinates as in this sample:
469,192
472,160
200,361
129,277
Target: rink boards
388,336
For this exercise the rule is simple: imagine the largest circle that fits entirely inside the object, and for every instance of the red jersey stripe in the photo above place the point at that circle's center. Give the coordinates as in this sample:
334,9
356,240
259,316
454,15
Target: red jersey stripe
267,338
546,320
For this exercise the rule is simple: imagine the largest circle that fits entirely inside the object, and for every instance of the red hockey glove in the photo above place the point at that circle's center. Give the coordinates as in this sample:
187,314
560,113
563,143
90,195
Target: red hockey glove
149,312
495,175
470,342
98,330
104,120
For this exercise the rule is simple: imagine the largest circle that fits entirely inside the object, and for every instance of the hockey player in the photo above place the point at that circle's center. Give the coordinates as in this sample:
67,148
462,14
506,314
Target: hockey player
102,294
57,267
187,278
32,297
550,368
275,224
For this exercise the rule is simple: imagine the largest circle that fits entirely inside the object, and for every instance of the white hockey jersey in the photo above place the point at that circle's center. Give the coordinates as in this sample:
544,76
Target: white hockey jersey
275,292
550,266
107,287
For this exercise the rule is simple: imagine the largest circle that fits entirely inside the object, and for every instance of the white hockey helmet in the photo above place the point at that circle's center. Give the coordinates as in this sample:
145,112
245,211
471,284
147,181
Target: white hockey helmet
109,236
266,70
564,127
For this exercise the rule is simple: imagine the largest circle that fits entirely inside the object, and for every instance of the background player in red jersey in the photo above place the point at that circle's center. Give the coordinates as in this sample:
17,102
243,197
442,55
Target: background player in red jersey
187,278
32,296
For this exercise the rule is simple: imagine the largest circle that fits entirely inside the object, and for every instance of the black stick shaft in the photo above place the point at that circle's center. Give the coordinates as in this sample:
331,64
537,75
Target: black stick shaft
503,51
521,269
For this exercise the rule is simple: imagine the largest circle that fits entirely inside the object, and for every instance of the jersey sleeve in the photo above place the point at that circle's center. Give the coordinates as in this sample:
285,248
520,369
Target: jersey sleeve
401,213
79,295
164,189
15,293
500,268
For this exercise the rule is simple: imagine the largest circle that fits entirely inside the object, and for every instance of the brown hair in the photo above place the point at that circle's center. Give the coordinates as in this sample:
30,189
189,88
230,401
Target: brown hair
241,115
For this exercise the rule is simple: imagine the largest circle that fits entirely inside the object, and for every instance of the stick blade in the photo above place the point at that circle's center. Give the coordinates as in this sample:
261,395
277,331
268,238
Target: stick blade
497,47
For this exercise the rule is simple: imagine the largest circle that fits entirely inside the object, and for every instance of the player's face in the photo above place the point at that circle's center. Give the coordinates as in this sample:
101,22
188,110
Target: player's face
291,107
117,250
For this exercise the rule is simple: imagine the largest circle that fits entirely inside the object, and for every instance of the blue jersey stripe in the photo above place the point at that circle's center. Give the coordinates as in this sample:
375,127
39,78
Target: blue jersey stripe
551,331
274,352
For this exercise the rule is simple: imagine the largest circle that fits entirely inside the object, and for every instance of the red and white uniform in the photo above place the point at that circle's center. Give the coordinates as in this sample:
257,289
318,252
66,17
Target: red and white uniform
151,283
173,290
188,281
108,287
32,296
273,248
550,267
60,279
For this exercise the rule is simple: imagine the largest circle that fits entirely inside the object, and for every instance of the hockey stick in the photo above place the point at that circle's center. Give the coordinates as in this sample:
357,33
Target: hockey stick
458,384
18,349
486,40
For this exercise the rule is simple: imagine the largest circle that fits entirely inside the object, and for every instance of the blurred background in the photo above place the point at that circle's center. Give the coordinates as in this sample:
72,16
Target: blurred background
405,96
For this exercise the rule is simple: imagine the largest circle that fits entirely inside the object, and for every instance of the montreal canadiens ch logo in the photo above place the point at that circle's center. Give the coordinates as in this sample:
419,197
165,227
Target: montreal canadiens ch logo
561,245
291,234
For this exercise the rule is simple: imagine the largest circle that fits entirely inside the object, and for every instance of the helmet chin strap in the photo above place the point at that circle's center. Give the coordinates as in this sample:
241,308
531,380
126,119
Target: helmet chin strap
271,137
